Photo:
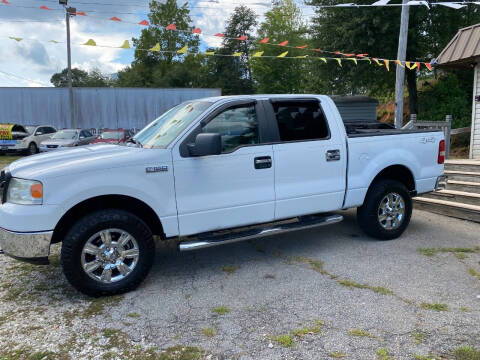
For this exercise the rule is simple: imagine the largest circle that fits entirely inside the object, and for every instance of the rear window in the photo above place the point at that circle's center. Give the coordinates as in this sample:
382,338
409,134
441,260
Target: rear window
300,121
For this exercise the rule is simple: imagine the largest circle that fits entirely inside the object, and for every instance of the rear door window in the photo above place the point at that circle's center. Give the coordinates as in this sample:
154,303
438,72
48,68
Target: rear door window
300,120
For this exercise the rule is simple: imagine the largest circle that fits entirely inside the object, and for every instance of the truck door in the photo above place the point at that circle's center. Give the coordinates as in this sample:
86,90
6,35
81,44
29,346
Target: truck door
234,188
309,158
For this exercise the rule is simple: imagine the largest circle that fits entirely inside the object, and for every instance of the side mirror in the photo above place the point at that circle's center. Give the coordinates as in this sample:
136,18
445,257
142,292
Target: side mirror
82,137
39,133
206,144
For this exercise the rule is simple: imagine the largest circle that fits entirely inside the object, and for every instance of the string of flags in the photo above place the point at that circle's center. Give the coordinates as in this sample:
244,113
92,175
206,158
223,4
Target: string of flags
411,65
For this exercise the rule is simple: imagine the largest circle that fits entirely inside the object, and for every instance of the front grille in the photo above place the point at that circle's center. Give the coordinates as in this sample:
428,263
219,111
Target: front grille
4,180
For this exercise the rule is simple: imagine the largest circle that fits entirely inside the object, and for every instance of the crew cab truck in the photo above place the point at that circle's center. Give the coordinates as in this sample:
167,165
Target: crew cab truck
210,172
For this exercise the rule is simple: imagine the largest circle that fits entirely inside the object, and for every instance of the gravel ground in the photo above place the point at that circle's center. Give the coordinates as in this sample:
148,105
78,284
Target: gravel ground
315,294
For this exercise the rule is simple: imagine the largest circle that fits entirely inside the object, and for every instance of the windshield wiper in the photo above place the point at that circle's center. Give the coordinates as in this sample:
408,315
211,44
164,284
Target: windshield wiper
135,141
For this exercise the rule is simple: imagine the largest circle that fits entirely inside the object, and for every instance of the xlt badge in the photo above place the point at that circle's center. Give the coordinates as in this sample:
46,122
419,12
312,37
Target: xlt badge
154,169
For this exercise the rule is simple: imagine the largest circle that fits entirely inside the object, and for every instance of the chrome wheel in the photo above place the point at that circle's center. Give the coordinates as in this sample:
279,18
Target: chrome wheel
110,255
391,211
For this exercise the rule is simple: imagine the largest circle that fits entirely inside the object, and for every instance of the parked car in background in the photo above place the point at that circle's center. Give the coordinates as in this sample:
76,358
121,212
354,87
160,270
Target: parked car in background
24,139
119,136
67,138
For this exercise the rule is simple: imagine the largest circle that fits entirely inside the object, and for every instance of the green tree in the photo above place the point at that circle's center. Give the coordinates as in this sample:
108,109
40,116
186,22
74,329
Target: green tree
283,23
234,74
81,78
160,68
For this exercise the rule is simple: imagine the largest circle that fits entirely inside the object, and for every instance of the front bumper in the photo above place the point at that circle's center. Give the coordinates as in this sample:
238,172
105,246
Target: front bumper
26,246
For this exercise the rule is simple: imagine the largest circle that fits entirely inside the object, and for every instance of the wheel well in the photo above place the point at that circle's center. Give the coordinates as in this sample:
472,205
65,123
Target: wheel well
127,203
400,173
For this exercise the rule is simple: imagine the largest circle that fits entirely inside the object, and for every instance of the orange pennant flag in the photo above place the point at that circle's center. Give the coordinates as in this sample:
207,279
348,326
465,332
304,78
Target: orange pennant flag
417,64
429,67
81,13
114,18
242,38
197,31
361,55
398,62
349,55
264,41
284,43
171,27
219,35
387,64
301,47
317,50
144,23
5,2
43,7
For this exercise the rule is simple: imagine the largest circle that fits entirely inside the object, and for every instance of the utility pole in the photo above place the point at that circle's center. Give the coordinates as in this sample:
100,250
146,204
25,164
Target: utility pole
68,13
400,71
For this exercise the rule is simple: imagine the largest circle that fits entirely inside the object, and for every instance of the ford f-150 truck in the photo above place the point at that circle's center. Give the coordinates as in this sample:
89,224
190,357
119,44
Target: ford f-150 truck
210,172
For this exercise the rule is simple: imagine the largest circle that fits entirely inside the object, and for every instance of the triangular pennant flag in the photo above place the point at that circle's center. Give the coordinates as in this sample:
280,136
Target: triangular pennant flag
410,67
16,38
378,62
156,47
323,59
352,59
125,45
53,41
368,59
219,35
114,18
258,54
43,7
398,62
144,23
237,54
417,64
284,43
349,55
183,50
361,55
210,53
429,67
387,64
339,62
337,52
81,13
264,41
197,31
282,55
172,26
317,50
301,57
90,42
301,47
242,38
5,2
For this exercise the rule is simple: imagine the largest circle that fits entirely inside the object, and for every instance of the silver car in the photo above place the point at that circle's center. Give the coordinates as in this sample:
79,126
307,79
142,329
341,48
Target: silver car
67,138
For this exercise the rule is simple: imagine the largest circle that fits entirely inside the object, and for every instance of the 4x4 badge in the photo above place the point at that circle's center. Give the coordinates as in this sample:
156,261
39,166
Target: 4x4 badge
154,169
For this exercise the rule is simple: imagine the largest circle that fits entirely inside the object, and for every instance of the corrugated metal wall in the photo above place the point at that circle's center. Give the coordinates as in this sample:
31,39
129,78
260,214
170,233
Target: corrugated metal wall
94,107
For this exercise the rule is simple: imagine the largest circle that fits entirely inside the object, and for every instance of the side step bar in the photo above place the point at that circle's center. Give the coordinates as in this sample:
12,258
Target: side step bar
305,222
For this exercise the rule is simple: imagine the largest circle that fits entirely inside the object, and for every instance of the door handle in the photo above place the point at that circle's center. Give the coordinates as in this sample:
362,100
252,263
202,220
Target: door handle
263,162
332,155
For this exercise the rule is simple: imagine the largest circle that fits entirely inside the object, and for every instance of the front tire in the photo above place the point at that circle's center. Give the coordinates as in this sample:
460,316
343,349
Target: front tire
386,211
32,149
108,252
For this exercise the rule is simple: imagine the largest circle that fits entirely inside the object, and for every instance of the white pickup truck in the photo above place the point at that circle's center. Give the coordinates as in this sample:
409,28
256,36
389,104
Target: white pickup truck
210,172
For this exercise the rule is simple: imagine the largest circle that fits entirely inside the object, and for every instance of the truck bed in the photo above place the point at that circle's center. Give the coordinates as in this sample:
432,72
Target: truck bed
365,129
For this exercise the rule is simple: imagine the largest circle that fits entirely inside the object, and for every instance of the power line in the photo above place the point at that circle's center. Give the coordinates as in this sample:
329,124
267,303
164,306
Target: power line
23,78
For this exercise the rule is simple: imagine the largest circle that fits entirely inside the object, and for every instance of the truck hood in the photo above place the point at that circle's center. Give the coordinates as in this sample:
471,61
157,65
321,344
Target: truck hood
85,159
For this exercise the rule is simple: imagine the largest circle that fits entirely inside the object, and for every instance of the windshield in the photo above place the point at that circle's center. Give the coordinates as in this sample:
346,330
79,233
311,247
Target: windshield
111,135
65,135
30,129
162,131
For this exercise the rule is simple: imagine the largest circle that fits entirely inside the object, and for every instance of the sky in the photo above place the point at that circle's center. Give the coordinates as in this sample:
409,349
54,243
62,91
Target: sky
33,60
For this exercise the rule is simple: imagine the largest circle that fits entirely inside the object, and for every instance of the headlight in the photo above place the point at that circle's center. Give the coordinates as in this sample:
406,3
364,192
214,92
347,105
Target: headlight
25,192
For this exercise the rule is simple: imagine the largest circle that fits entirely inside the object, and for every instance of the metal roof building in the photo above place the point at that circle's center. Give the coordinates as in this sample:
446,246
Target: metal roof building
464,51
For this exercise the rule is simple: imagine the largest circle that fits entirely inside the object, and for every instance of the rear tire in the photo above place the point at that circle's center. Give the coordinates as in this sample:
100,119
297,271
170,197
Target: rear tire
32,149
386,211
94,260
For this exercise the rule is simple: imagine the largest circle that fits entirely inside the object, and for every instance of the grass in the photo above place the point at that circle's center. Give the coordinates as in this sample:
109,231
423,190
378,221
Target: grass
29,354
133,315
209,332
315,265
434,307
418,337
181,353
378,289
221,310
466,353
6,160
284,340
465,309
306,330
360,333
108,333
229,269
460,253
337,354
422,357
473,272
382,354
97,306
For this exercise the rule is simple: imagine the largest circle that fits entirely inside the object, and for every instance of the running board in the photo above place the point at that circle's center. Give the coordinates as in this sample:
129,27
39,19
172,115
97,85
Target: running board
301,223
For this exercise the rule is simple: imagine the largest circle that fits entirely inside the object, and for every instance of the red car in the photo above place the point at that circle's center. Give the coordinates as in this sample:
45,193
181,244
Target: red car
118,136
